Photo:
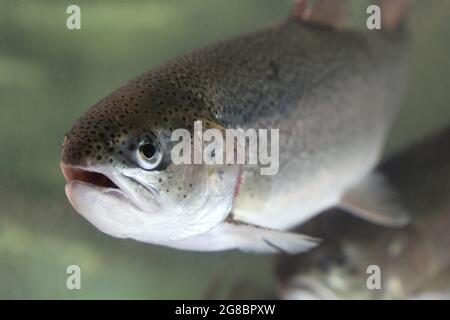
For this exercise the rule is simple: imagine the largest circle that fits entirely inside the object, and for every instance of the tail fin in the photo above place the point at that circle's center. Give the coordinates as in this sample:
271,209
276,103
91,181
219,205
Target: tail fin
393,12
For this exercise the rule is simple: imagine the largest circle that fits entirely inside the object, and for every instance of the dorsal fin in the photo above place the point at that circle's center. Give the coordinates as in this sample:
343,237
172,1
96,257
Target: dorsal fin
298,10
330,13
393,12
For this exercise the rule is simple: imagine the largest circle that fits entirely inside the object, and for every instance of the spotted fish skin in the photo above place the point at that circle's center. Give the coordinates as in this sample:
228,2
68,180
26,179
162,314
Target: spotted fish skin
332,94
277,68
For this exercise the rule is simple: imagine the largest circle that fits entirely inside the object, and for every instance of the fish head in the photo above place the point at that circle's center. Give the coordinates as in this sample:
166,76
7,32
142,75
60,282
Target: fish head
119,172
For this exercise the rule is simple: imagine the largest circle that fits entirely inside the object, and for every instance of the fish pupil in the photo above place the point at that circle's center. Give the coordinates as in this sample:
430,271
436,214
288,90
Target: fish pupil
148,150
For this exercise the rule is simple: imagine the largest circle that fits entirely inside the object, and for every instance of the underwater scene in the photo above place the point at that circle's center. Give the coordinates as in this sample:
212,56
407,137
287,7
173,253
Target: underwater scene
350,200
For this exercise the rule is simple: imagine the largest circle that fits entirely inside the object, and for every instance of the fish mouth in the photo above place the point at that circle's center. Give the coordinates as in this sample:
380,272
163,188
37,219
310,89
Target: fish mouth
84,175
105,180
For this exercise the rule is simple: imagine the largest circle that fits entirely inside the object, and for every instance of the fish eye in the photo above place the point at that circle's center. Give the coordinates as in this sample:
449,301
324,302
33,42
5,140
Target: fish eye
149,155
148,150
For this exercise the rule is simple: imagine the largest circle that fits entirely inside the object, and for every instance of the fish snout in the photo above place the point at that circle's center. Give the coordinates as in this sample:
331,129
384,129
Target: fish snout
78,161
75,152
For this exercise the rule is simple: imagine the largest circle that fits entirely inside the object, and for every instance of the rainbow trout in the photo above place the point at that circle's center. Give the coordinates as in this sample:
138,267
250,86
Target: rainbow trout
332,93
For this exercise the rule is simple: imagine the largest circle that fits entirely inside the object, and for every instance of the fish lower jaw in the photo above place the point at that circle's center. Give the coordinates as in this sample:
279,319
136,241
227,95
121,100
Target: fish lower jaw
104,179
74,196
113,212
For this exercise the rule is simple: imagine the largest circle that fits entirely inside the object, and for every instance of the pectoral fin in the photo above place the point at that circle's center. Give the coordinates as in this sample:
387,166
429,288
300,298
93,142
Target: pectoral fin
232,234
373,199
252,238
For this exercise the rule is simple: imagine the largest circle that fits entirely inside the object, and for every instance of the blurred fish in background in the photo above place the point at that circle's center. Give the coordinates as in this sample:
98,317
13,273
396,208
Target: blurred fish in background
410,260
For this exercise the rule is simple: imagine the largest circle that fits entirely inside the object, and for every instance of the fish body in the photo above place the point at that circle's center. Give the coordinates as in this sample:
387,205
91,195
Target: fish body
333,95
333,99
